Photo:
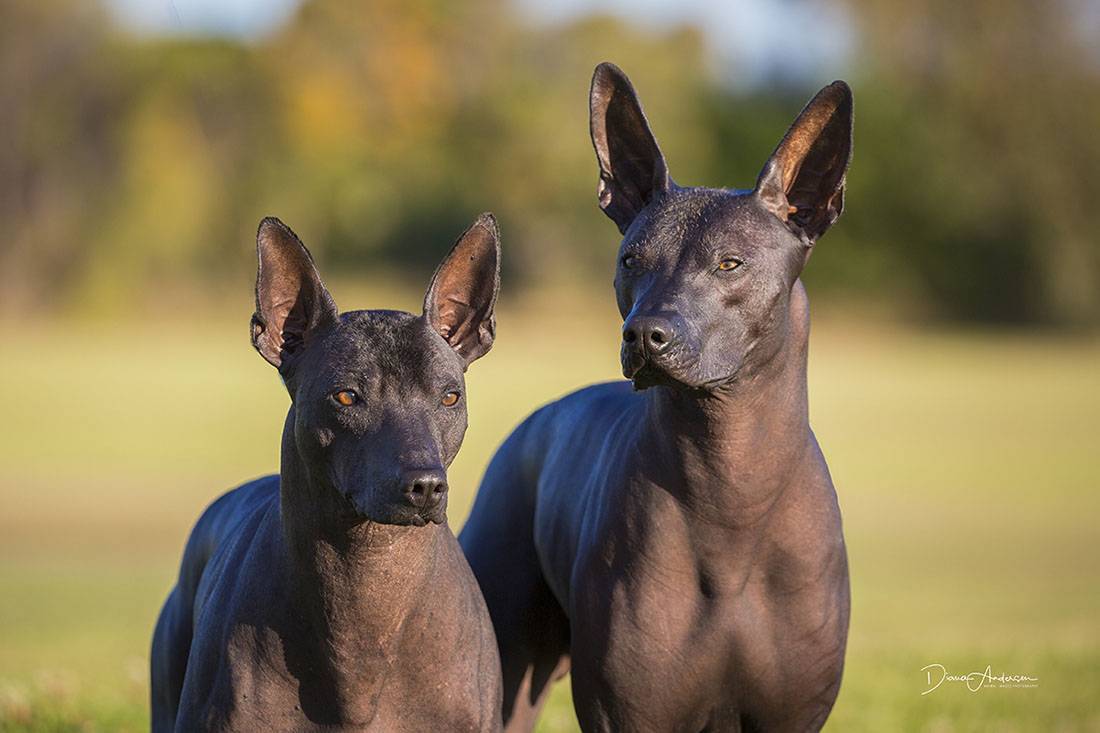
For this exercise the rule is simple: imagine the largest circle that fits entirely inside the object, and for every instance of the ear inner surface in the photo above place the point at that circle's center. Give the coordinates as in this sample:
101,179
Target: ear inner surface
632,168
291,301
460,300
803,181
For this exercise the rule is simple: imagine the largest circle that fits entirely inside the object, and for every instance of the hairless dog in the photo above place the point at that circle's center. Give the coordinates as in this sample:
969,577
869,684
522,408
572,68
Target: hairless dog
334,596
678,545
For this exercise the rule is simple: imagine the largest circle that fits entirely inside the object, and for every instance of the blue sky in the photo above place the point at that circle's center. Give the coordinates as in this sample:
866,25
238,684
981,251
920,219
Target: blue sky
242,18
748,39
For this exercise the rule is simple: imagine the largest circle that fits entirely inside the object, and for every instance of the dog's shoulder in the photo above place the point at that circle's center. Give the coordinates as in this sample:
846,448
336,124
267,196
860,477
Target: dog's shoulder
587,414
229,509
611,397
220,520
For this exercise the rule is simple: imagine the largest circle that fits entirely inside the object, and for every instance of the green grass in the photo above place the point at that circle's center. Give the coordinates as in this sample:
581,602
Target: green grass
966,464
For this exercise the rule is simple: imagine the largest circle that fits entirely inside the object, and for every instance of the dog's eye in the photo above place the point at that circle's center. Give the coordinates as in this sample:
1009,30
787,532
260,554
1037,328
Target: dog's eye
628,261
346,397
450,399
729,264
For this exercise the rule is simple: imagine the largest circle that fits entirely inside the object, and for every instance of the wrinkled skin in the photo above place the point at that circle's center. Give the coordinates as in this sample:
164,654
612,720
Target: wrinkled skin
334,596
675,541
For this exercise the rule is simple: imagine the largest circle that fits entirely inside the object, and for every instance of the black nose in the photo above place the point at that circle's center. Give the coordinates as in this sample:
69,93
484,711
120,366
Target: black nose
652,333
424,489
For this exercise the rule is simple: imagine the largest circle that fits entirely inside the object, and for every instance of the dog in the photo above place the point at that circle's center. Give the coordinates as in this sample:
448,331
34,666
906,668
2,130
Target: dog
334,596
675,541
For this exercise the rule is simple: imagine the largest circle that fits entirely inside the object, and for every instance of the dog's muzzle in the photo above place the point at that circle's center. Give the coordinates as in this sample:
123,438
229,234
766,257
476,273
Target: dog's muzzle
648,341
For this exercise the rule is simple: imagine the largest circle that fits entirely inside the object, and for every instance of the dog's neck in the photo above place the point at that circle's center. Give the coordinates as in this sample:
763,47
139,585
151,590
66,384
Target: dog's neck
734,449
352,583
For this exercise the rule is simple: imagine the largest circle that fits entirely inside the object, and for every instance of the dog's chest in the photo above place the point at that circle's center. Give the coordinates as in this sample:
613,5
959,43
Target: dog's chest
425,675
701,636
276,688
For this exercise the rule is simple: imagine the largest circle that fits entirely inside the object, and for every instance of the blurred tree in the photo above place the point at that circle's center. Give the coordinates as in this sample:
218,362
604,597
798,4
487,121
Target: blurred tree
413,117
57,141
977,153
193,135
138,165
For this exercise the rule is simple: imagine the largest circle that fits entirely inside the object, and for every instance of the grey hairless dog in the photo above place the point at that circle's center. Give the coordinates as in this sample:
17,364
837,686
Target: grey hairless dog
678,545
334,596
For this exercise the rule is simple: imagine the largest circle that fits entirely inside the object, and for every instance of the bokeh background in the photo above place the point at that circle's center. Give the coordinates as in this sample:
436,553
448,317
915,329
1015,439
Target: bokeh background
955,363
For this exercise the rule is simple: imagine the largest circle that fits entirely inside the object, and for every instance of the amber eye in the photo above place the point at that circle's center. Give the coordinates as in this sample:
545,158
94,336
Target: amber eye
346,397
727,265
450,399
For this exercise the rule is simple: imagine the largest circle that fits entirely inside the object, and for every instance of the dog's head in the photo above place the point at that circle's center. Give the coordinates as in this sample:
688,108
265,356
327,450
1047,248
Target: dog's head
378,397
705,276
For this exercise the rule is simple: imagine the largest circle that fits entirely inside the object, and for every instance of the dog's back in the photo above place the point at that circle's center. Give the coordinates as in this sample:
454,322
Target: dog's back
572,435
172,638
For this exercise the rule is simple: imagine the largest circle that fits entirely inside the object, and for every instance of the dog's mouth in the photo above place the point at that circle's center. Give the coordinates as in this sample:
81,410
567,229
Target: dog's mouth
397,514
648,373
424,518
405,519
410,517
645,372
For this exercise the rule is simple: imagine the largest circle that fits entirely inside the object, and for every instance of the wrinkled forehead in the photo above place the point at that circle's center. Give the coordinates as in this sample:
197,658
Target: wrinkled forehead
710,219
391,346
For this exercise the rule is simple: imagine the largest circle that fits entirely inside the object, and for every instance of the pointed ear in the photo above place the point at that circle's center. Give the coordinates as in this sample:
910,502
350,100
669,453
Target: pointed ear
291,302
632,169
459,302
803,182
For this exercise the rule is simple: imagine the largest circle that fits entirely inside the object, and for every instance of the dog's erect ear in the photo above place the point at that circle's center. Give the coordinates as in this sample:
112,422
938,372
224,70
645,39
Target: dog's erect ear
459,303
632,169
291,302
803,182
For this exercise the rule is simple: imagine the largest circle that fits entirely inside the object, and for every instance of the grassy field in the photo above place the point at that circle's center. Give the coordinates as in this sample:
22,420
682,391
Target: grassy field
967,466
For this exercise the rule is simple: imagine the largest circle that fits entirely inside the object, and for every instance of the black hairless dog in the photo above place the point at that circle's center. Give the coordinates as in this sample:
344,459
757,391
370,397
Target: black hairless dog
678,545
334,596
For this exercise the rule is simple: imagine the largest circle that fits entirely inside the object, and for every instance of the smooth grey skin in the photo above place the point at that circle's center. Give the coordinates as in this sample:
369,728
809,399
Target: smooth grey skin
334,596
678,545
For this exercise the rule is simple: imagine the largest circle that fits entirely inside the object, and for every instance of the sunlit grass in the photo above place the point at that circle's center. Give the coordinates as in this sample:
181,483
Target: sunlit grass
966,465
